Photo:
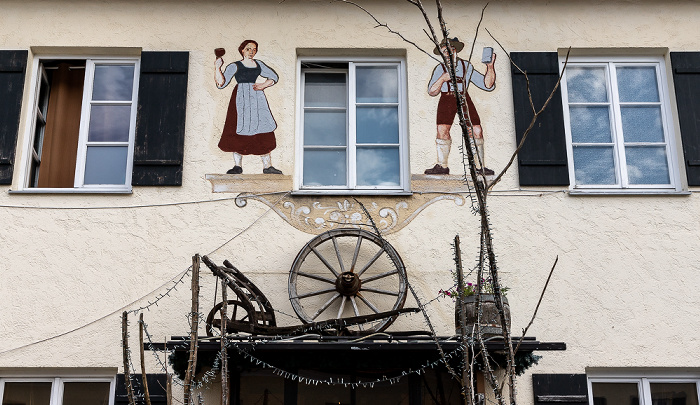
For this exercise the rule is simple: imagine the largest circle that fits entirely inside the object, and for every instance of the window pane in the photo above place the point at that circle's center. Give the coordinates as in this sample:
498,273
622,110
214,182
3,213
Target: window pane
594,165
590,124
325,168
326,128
86,393
377,125
109,123
647,165
377,84
642,124
106,165
674,394
261,386
637,84
615,393
113,82
325,90
27,393
586,84
378,166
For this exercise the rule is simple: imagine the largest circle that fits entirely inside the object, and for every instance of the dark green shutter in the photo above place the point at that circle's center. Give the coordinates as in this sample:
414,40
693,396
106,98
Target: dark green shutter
542,160
156,389
560,389
686,79
13,65
160,122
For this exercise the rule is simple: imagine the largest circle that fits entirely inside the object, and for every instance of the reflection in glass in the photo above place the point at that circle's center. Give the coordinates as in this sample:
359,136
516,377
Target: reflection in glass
29,393
378,166
105,165
674,393
586,84
377,125
377,84
594,165
113,82
590,124
325,90
86,393
642,124
109,123
615,393
637,84
325,168
647,165
325,128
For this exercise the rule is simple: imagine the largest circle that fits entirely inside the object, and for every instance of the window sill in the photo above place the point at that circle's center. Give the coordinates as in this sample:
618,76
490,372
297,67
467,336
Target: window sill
70,191
638,192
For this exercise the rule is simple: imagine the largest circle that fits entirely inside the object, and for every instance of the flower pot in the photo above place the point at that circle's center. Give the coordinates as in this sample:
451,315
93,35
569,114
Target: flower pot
490,321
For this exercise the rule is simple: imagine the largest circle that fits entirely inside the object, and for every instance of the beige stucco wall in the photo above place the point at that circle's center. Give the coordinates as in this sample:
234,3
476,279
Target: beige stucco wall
624,293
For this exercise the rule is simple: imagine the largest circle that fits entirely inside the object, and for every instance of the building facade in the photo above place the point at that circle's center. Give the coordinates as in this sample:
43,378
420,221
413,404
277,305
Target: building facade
134,135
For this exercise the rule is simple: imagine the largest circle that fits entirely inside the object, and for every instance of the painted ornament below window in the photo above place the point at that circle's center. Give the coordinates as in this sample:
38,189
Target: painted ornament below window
249,127
447,105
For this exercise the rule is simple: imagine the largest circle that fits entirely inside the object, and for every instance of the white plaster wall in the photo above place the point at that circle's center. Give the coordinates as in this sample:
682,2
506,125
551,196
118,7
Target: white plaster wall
624,293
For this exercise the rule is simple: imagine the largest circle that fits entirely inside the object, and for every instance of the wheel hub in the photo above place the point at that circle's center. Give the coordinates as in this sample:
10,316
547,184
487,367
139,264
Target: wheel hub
348,283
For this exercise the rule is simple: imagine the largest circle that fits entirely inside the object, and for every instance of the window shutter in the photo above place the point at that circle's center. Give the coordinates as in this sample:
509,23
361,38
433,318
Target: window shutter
686,79
156,389
160,121
560,389
12,68
542,160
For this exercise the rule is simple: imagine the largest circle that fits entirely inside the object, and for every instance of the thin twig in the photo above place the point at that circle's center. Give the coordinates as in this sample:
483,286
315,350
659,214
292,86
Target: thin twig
534,314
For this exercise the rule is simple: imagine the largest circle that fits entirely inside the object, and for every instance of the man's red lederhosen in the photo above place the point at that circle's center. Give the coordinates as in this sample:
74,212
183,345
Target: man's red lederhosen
447,106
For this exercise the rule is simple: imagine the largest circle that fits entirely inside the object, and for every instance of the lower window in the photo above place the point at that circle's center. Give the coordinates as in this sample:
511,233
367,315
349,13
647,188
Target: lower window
56,391
84,124
643,391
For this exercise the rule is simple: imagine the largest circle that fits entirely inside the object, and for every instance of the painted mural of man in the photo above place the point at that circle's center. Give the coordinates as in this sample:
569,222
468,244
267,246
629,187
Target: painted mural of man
447,105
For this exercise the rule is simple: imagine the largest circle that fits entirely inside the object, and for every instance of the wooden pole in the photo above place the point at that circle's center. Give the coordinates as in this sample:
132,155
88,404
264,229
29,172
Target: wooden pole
168,379
466,370
194,327
224,351
143,361
125,355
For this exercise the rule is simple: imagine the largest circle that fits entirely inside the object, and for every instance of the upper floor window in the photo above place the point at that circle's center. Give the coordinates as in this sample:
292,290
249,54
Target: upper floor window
643,391
352,126
56,391
618,127
83,124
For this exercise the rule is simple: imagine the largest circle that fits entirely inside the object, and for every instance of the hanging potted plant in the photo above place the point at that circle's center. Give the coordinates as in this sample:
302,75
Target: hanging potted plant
490,321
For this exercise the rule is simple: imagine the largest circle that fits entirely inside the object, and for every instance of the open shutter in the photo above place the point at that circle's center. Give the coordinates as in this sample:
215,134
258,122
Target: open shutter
542,160
560,389
160,121
686,79
156,389
12,69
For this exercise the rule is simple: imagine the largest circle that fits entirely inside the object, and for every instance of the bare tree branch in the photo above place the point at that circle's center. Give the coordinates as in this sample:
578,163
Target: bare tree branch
534,314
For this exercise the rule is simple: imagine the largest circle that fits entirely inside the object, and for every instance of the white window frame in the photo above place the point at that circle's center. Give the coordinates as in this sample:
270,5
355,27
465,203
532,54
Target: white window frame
57,385
352,188
622,185
78,185
643,384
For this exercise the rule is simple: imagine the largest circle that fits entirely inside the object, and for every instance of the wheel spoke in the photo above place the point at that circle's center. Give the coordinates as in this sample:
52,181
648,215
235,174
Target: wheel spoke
337,253
311,294
323,259
315,277
378,276
325,306
357,252
378,291
342,307
369,304
371,262
355,310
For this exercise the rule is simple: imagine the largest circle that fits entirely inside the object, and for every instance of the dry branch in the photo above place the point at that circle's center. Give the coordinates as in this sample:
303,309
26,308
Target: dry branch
194,327
143,362
125,354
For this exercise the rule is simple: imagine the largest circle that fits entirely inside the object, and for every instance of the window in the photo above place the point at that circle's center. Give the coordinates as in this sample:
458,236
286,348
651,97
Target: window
352,126
617,122
56,391
83,124
643,391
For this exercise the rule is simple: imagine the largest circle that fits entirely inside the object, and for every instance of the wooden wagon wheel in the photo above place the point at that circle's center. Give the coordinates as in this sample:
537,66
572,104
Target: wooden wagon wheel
235,310
347,272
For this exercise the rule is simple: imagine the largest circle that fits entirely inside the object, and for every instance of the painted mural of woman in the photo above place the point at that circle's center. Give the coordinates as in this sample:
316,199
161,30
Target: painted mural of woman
249,127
